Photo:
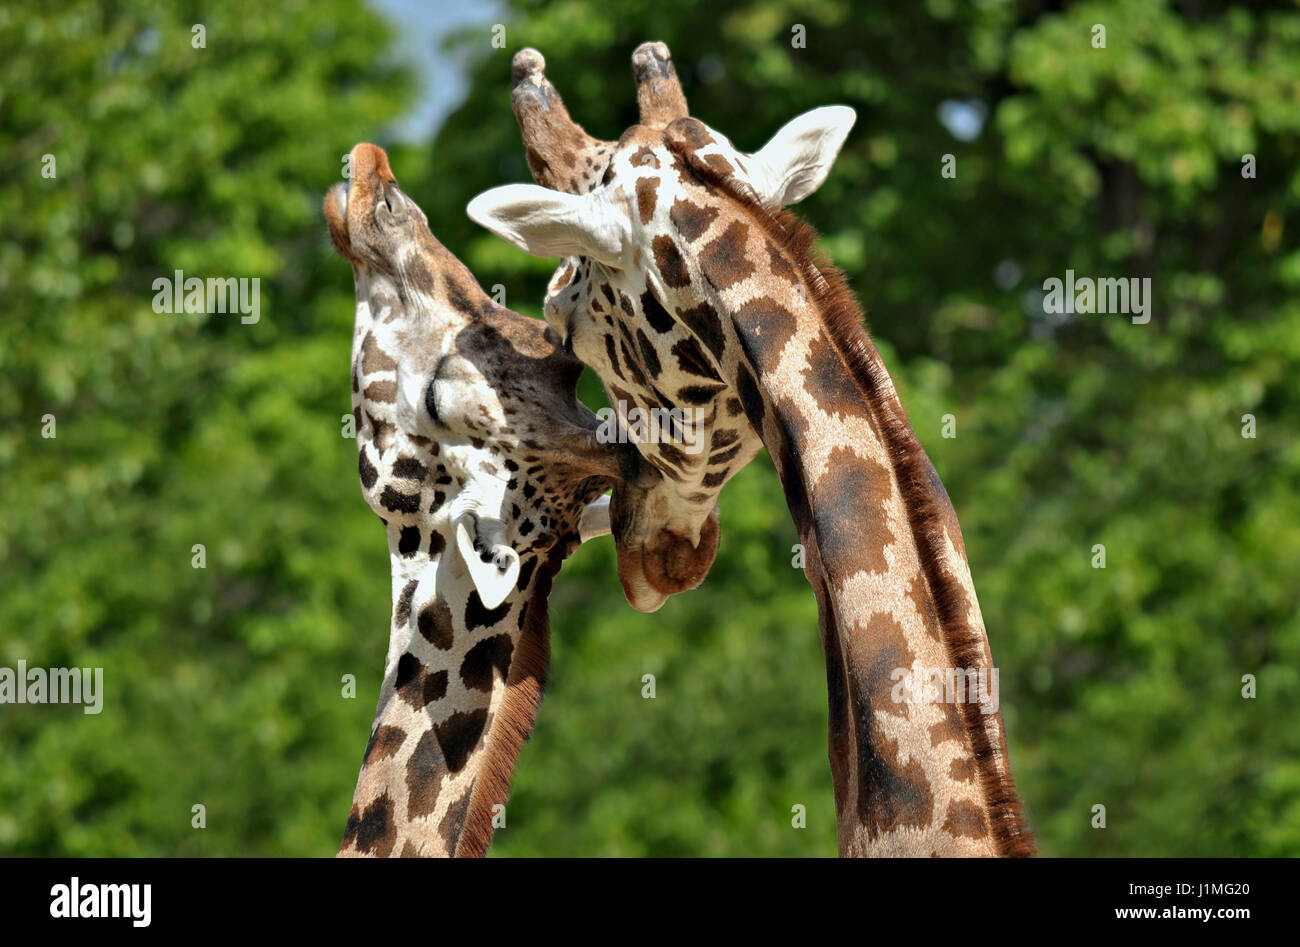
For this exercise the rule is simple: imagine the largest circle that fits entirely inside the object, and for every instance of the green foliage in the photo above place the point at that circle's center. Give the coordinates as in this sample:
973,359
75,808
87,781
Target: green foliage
1120,686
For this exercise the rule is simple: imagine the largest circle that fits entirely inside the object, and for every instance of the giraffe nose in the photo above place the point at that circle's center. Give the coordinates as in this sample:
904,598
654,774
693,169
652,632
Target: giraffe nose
370,159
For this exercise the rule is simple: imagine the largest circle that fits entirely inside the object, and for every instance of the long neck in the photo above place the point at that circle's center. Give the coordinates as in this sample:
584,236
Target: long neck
916,771
461,688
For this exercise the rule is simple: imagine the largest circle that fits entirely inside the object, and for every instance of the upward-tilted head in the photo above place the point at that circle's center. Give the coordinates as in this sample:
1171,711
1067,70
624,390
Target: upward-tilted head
486,471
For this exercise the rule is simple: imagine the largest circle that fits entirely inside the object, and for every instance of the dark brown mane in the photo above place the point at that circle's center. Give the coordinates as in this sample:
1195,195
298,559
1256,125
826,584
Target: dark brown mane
515,716
928,507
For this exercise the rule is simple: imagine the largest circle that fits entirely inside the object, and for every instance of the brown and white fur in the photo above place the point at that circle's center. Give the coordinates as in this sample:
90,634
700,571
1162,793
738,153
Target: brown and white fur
486,471
679,217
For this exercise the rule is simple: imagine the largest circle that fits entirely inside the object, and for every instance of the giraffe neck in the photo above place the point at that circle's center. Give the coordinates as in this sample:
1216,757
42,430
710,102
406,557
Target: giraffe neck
913,775
460,693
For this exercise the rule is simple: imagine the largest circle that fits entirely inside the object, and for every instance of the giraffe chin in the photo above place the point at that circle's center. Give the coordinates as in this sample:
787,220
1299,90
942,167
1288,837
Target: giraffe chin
665,564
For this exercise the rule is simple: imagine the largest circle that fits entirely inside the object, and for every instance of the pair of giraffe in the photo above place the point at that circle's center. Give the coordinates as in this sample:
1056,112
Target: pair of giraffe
684,284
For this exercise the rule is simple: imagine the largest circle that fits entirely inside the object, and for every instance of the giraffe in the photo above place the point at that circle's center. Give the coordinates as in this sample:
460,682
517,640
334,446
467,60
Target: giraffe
698,457
694,235
487,472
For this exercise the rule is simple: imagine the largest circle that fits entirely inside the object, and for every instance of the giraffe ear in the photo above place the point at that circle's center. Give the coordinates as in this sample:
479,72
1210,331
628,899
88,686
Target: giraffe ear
797,159
492,579
551,224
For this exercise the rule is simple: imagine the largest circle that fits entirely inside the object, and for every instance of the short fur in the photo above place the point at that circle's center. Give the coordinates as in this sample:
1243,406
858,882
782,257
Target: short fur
929,508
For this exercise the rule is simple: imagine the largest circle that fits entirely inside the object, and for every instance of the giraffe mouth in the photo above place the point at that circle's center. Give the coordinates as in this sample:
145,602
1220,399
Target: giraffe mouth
656,563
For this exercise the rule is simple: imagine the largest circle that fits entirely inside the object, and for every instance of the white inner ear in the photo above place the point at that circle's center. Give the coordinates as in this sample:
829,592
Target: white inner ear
797,159
551,224
494,579
594,520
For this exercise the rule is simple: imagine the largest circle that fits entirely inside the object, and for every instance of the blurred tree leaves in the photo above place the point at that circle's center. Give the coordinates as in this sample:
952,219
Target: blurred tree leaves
1120,686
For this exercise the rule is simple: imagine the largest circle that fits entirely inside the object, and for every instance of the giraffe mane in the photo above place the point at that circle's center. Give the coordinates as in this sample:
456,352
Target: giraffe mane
843,319
514,718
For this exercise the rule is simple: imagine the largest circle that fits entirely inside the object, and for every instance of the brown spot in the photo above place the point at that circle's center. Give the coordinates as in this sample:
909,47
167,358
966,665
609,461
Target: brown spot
671,265
646,189
366,469
890,795
487,655
877,653
700,394
690,219
965,820
372,831
689,131
750,397
633,365
649,357
373,358
409,468
702,321
722,437
416,685
453,821
653,311
458,735
402,611
419,275
949,728
692,360
962,770
830,384
719,164
780,264
385,391
398,502
611,358
384,432
644,157
480,617
435,622
725,456
854,542
723,259
423,776
384,742
764,327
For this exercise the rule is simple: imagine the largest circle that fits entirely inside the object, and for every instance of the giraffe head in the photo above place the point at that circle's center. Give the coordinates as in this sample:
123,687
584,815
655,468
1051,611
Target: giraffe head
469,431
628,217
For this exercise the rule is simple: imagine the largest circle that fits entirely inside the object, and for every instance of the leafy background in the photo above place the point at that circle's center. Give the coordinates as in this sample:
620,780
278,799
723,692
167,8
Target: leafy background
1120,686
